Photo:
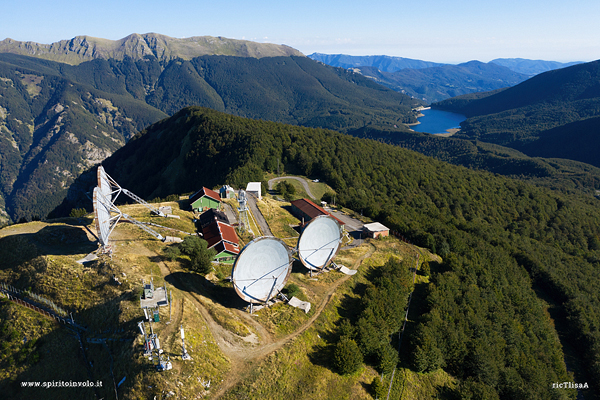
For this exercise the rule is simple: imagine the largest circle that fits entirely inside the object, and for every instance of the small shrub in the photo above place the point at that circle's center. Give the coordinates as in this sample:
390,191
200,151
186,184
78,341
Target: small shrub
78,213
292,290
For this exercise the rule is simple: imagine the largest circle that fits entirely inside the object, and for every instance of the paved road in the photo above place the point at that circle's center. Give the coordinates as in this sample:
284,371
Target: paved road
301,180
230,214
352,224
260,220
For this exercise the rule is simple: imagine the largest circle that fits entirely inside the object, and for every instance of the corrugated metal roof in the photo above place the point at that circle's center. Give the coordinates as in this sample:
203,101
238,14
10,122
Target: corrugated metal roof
228,247
311,209
205,192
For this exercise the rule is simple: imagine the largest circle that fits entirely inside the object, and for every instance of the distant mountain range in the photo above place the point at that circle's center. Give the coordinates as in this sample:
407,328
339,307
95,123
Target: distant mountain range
382,63
531,67
438,83
554,114
432,82
56,119
164,48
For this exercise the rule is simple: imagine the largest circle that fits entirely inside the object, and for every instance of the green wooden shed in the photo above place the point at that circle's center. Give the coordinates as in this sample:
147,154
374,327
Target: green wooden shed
204,199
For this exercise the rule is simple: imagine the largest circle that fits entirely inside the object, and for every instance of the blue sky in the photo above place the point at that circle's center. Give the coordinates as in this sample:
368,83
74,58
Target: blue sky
434,30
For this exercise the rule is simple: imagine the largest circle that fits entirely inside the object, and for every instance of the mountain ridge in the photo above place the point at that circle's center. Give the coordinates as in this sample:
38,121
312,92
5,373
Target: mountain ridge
46,106
136,46
437,83
381,62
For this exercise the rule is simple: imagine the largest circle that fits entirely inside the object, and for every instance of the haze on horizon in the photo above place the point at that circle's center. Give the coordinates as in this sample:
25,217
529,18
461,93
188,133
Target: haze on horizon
432,30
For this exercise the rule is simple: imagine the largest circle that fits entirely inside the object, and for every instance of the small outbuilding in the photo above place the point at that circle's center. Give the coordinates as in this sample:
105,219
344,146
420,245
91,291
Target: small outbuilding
376,230
204,199
227,192
254,188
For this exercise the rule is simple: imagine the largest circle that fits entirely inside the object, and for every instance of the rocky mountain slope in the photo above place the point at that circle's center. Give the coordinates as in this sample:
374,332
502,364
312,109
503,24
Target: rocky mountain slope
85,48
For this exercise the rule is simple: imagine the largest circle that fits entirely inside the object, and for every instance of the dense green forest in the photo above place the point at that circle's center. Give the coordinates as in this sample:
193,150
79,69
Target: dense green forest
505,243
554,114
563,174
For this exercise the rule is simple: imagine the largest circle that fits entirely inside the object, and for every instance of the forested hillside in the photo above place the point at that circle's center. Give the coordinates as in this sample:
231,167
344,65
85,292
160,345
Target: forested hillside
565,174
505,244
57,119
550,115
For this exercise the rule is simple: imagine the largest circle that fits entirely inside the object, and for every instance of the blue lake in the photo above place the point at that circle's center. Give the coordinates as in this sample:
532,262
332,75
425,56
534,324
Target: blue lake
438,121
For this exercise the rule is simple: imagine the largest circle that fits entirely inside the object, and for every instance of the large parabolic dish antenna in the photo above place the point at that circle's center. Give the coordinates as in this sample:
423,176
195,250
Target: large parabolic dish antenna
104,184
319,242
105,222
261,269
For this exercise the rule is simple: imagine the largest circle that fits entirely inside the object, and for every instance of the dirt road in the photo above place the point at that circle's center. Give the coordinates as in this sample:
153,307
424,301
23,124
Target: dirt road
236,348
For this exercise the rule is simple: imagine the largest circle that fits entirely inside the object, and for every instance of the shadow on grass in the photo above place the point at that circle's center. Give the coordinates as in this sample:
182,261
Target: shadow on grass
59,355
51,240
191,282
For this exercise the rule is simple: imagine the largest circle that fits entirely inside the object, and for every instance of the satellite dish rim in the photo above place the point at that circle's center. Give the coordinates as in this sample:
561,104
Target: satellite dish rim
98,215
337,246
276,288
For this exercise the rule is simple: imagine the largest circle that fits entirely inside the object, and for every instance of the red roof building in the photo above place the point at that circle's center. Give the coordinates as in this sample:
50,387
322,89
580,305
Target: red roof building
223,239
217,232
306,210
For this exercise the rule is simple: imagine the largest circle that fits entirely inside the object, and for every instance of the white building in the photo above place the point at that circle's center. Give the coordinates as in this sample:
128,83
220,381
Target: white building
254,188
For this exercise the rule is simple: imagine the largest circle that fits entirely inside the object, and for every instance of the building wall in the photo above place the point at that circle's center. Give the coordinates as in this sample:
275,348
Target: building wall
300,214
225,257
205,202
381,234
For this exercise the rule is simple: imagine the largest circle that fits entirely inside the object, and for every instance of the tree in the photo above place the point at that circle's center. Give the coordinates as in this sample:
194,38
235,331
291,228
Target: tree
200,257
378,389
347,357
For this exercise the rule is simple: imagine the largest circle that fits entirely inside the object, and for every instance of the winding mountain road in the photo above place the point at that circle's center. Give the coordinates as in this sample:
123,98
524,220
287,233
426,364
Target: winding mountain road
301,180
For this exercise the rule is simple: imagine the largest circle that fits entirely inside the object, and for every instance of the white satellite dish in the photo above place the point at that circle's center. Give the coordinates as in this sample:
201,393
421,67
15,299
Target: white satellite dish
107,215
261,269
104,184
319,242
105,221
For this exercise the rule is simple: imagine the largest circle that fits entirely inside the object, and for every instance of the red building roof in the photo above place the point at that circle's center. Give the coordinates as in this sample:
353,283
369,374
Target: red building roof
217,232
311,210
205,192
226,246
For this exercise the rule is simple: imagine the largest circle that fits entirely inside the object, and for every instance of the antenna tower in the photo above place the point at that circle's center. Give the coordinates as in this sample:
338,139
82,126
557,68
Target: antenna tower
244,223
184,355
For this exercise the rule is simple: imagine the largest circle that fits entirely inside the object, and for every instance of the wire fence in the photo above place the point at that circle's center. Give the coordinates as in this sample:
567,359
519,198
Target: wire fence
39,304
